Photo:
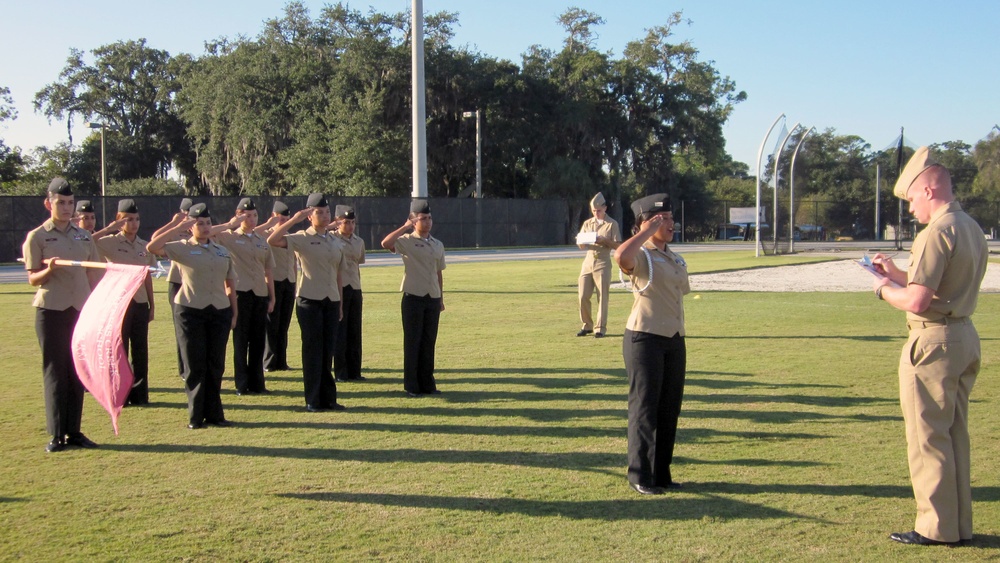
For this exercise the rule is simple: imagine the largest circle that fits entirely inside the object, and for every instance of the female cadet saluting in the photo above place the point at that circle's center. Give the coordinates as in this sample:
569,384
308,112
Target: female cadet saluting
423,297
654,349
126,247
206,311
321,261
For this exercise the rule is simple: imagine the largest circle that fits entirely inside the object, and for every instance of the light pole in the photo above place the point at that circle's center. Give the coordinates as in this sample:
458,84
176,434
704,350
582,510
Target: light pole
479,171
102,126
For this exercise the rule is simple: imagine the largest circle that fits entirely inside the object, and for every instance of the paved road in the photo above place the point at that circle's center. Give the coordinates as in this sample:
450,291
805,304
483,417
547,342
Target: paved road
16,274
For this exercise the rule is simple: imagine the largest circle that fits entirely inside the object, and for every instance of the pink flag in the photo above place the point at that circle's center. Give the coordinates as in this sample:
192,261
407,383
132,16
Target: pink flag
98,351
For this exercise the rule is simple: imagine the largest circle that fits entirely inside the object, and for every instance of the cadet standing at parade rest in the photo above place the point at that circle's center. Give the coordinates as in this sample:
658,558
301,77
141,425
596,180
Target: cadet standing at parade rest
347,354
62,291
283,274
653,346
595,274
423,296
120,243
206,312
939,363
321,266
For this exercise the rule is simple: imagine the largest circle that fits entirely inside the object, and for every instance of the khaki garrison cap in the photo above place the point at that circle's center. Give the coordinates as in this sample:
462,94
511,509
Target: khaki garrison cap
918,163
598,201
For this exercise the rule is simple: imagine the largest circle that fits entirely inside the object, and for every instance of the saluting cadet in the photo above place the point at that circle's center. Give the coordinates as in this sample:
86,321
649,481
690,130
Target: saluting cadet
347,353
174,273
321,266
939,363
62,291
653,346
254,295
596,271
120,243
283,274
206,311
85,217
423,296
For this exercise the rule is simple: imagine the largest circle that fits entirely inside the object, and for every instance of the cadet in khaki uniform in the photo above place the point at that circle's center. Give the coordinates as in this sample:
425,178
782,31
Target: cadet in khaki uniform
596,271
120,243
347,354
254,295
283,273
206,312
653,347
941,358
423,296
321,267
174,274
85,217
62,291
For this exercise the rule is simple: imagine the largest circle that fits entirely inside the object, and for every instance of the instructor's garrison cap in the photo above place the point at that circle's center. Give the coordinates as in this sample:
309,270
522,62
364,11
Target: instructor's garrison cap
656,203
420,206
59,186
918,163
84,206
246,204
280,208
127,206
598,201
317,200
344,212
186,204
198,211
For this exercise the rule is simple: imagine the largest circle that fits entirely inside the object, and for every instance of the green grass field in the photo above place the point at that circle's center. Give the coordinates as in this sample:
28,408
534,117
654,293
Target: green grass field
790,444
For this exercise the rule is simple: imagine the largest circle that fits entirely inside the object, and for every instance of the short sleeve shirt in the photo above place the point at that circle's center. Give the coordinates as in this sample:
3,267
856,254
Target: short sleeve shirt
599,257
423,258
354,251
204,270
67,286
949,256
117,249
251,257
659,309
284,264
321,257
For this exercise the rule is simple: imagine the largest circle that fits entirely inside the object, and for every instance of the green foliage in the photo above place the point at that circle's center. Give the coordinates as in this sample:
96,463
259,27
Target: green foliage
145,186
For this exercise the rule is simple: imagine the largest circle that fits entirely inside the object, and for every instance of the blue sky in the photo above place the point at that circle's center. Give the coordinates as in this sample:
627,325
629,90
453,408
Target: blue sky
863,68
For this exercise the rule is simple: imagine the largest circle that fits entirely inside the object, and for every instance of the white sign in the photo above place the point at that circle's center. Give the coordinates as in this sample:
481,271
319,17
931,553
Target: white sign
745,215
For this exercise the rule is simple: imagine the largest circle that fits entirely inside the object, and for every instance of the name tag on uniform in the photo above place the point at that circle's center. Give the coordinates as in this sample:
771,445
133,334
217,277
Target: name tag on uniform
80,237
680,262
238,241
659,259
195,253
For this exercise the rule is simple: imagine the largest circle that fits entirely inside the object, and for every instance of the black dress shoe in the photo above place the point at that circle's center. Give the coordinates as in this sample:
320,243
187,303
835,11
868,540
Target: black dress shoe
195,426
584,332
56,445
80,440
222,423
644,490
311,408
598,335
241,392
340,379
435,392
338,407
671,486
913,538
412,395
264,391
359,378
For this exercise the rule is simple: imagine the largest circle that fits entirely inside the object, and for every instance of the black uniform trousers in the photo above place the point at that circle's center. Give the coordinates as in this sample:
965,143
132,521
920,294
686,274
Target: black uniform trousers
248,342
62,387
656,366
347,353
318,321
420,327
278,321
172,289
135,338
203,335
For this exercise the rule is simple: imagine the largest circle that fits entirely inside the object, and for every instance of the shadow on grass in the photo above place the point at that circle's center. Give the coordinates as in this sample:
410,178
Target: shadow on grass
859,338
4,500
979,494
667,507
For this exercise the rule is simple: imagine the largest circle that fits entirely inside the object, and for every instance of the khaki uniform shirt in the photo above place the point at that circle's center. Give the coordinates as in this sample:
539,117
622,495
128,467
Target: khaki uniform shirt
660,308
117,249
67,286
949,257
354,251
284,263
321,257
251,257
174,273
423,258
599,257
204,271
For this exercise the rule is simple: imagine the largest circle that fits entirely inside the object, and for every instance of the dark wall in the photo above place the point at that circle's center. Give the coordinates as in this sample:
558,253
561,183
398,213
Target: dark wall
505,222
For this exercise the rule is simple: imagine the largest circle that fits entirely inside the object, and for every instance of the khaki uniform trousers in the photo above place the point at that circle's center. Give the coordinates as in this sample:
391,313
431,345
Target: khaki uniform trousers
600,280
937,369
